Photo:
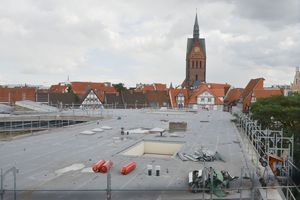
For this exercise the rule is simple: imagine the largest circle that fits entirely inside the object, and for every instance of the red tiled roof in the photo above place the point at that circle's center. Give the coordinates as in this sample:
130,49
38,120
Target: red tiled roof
257,83
12,95
80,88
59,88
219,89
246,94
219,92
217,85
266,93
148,88
160,87
174,92
201,89
233,95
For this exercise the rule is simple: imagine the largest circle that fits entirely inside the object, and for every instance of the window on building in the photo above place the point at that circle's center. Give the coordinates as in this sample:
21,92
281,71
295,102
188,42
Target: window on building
193,64
209,100
196,77
196,63
180,99
200,64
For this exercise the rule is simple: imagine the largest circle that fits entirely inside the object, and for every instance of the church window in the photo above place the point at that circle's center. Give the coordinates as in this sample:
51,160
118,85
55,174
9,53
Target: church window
193,64
200,64
196,63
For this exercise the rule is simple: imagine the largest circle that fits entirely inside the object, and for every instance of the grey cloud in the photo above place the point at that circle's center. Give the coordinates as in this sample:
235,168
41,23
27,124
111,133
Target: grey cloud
144,41
274,13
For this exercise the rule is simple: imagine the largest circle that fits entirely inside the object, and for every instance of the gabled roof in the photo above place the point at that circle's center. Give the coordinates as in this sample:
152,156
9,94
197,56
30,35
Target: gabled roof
246,95
257,83
233,95
219,92
220,89
88,92
173,94
200,90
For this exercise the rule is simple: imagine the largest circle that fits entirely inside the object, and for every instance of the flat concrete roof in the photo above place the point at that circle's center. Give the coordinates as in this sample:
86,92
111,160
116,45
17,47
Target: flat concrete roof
61,159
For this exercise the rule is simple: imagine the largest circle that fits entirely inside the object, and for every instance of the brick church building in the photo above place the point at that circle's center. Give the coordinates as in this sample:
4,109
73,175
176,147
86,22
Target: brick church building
195,59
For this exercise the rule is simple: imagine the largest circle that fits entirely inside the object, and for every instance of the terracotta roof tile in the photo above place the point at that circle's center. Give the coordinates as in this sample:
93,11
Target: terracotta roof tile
80,88
59,88
160,87
148,88
233,95
12,95
266,93
253,84
205,88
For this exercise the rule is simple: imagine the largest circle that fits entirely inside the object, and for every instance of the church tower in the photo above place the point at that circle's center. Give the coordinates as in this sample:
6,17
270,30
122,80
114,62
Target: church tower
195,59
296,84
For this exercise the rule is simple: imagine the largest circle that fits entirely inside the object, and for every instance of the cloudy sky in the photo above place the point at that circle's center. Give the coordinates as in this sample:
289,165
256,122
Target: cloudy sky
133,41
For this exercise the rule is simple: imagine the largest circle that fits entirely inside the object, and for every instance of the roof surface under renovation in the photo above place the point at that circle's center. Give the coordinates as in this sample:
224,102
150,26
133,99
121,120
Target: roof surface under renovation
61,159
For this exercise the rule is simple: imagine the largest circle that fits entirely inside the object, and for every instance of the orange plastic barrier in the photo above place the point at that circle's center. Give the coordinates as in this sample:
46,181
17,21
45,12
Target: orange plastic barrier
128,168
108,164
97,167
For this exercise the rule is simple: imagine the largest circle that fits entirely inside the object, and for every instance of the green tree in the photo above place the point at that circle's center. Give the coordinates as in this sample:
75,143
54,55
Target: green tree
70,91
280,112
119,87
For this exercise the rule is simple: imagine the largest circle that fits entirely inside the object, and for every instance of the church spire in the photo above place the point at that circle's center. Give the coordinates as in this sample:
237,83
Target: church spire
196,28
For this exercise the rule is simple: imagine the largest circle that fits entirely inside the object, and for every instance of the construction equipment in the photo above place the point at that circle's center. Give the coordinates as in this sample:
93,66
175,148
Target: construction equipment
209,179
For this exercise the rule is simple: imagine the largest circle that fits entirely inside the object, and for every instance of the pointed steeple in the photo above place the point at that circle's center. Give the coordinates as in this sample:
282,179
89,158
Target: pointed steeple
196,28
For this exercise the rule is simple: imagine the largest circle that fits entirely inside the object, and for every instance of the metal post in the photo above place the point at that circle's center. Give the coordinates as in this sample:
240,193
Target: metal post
1,189
241,183
15,183
253,186
14,170
10,129
203,181
211,181
108,190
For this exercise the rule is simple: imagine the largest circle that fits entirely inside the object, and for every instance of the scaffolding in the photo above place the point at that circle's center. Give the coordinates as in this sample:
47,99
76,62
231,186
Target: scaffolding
270,143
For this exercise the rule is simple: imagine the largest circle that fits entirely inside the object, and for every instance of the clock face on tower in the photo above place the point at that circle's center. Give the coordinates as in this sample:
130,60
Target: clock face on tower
197,49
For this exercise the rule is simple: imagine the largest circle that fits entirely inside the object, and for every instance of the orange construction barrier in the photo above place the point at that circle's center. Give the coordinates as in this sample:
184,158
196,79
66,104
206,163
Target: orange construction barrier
97,167
107,165
128,168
